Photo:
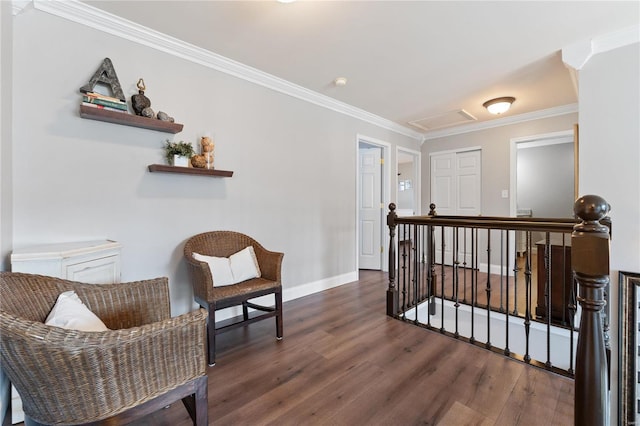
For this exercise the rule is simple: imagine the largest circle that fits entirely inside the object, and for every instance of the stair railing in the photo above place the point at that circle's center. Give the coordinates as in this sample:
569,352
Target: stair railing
417,278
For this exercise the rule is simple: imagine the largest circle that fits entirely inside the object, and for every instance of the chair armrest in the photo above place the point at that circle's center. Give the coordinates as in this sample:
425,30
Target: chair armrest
201,279
270,263
110,371
126,305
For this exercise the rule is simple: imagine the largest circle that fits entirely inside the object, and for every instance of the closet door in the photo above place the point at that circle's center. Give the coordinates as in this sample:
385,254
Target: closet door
456,191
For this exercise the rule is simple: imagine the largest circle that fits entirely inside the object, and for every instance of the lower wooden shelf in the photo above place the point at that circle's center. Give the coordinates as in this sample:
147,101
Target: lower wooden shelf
163,168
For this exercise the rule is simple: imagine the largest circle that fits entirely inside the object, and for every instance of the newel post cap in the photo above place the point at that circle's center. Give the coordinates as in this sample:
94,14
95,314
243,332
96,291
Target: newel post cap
591,208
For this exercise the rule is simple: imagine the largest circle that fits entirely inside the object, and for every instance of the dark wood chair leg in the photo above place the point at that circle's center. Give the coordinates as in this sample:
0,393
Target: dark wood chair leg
245,311
211,335
279,332
197,404
202,402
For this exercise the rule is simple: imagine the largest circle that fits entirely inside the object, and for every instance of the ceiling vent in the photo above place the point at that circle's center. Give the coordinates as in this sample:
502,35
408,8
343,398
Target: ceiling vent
447,119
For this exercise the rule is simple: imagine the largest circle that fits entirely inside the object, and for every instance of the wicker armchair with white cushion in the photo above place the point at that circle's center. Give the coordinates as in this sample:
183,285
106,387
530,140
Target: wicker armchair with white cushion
144,361
255,272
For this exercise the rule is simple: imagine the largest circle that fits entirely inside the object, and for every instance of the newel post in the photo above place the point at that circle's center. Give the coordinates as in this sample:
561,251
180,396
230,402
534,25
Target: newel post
392,292
590,262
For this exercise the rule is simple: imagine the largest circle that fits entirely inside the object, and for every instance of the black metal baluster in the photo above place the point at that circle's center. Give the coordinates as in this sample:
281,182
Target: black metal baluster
403,274
501,270
456,278
488,290
474,280
547,264
442,273
527,297
432,260
415,262
507,351
516,269
429,271
464,267
432,270
565,302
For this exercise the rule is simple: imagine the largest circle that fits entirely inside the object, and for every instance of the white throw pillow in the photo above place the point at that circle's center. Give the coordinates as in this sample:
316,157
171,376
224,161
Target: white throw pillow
240,266
220,269
69,312
244,265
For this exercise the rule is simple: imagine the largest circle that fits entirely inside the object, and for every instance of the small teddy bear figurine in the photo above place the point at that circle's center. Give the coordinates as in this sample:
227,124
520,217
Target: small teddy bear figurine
207,150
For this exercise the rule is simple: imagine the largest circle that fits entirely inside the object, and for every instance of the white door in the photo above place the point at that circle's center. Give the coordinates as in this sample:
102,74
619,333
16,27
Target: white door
370,208
455,190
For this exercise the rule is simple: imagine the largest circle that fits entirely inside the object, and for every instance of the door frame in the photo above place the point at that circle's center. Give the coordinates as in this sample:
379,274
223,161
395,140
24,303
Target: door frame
417,172
385,196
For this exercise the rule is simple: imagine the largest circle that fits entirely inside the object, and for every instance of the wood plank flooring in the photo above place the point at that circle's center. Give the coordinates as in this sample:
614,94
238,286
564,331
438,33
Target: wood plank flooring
344,362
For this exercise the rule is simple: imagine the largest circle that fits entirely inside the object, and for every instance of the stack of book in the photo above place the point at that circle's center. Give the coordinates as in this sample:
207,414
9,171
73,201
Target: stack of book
98,100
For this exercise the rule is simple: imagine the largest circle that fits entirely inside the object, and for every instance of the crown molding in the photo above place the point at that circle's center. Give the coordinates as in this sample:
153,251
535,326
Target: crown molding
17,6
95,18
578,54
504,121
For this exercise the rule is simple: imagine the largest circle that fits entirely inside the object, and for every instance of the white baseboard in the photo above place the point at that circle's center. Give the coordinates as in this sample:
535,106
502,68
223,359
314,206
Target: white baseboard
495,269
318,286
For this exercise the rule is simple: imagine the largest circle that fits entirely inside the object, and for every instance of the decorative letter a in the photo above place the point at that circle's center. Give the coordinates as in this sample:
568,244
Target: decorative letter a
107,75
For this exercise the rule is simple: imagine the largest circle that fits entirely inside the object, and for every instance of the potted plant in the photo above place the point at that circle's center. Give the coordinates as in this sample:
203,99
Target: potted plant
178,153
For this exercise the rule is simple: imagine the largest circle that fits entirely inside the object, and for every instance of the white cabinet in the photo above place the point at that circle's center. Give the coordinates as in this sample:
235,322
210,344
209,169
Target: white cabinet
91,262
85,261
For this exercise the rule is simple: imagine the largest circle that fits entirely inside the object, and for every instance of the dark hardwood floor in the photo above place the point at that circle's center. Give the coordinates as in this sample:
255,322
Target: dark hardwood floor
344,362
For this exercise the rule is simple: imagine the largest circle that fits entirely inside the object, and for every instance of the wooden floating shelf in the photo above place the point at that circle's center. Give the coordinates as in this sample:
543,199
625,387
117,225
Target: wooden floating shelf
127,119
163,168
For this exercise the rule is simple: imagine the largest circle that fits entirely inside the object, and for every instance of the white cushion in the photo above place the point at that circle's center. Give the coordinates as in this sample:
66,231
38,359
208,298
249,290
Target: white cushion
244,265
240,266
220,269
69,312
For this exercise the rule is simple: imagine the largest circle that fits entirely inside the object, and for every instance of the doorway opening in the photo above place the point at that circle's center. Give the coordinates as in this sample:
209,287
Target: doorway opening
408,180
543,175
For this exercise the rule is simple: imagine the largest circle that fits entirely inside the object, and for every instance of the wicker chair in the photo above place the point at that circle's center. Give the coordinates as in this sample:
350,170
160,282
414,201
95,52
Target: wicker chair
224,244
146,360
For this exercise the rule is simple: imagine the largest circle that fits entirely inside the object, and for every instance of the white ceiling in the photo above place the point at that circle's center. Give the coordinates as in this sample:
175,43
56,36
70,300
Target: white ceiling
404,61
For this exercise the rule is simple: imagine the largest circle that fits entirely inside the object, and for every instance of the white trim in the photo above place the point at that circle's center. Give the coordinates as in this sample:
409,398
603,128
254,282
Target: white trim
455,151
18,6
544,136
578,54
318,286
505,270
535,140
386,196
499,122
92,17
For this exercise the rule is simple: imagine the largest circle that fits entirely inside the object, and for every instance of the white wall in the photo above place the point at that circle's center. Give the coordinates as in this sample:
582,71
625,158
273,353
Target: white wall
609,158
294,183
6,215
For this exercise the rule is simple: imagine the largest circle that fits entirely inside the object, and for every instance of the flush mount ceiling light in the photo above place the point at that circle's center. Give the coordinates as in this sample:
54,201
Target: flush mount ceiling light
499,105
340,81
